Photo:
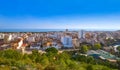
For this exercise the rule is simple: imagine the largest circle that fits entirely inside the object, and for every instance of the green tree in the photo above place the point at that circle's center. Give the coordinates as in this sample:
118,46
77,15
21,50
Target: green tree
11,54
90,59
84,49
64,56
80,58
51,53
71,65
43,60
118,63
52,50
106,68
61,64
97,46
50,67
39,66
35,55
118,48
89,67
35,52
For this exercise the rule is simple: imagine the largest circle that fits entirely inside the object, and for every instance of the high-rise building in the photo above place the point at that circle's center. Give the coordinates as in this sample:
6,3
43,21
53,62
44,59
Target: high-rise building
20,43
76,43
81,34
67,41
10,37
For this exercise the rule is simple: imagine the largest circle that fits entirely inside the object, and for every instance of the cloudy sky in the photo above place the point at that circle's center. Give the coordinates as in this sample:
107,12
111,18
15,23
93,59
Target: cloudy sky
60,14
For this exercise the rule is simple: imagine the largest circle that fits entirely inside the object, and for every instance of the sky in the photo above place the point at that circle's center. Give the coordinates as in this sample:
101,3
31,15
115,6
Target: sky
60,14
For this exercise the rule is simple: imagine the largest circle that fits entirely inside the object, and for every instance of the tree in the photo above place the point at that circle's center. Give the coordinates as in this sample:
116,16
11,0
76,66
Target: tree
89,67
52,50
43,60
84,49
35,52
35,55
97,46
39,66
50,67
106,68
63,55
12,54
51,54
118,48
71,65
118,63
90,59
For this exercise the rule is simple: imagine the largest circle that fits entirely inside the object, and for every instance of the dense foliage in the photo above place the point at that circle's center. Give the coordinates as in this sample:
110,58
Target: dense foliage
51,60
84,49
118,48
97,46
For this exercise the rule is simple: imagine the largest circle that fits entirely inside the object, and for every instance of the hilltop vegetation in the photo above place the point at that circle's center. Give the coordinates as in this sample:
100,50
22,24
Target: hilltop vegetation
51,60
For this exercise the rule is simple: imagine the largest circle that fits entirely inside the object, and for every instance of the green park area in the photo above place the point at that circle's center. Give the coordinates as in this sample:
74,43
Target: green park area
51,60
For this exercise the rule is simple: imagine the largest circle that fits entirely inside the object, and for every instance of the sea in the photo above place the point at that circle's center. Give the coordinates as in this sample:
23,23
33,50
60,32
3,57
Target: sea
49,30
30,30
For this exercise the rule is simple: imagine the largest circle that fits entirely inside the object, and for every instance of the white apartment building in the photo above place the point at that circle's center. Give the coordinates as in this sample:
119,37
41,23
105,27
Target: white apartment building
31,39
67,41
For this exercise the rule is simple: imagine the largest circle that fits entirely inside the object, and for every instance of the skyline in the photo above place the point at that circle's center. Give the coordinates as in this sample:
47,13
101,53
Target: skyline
84,14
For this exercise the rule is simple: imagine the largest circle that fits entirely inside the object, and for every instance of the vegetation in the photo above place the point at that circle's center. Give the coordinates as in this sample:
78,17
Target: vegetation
118,48
118,62
97,46
51,60
87,46
84,49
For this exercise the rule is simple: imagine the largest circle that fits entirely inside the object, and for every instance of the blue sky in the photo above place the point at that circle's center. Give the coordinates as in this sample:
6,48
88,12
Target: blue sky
60,14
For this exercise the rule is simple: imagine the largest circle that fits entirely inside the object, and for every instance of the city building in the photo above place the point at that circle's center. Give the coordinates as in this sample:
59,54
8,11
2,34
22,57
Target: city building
81,34
67,41
35,46
31,39
75,42
20,43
